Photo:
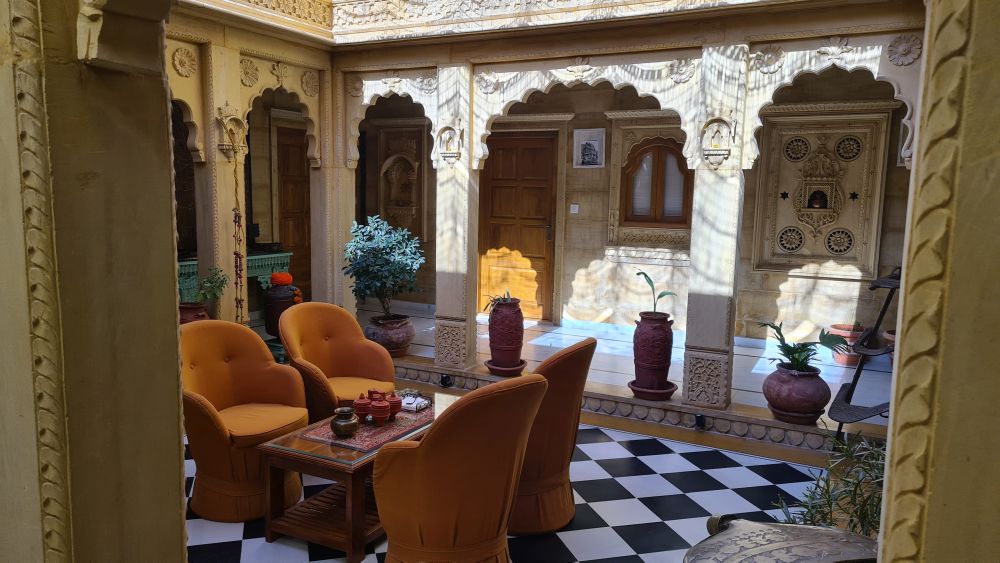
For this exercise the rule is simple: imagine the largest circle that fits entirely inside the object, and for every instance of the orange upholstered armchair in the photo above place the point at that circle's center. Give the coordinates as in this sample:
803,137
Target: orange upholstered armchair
448,496
544,501
235,397
326,344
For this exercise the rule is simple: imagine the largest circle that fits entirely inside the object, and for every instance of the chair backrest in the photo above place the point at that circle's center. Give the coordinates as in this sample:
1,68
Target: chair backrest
553,434
467,467
214,353
321,333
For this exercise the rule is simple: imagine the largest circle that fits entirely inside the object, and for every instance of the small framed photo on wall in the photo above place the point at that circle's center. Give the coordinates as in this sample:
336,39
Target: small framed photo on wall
588,148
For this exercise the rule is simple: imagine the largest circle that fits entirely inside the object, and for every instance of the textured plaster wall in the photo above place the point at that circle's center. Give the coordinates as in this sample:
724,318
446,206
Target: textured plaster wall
806,304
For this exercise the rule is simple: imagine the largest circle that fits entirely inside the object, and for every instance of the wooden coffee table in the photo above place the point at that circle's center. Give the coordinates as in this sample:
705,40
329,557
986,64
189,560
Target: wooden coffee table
343,516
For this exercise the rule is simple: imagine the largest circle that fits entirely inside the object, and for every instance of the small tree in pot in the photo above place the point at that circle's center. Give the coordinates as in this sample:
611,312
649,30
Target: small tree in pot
651,346
506,335
383,260
795,392
210,288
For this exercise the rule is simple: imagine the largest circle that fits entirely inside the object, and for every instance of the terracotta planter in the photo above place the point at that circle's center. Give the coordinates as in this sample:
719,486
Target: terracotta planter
506,338
797,397
651,346
393,332
278,299
852,336
890,340
193,312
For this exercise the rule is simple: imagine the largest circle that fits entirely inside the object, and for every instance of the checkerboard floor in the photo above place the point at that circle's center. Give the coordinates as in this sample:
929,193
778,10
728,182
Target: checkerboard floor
639,499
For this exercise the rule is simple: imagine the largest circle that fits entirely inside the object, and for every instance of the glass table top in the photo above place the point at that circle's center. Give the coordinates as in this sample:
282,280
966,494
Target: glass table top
295,443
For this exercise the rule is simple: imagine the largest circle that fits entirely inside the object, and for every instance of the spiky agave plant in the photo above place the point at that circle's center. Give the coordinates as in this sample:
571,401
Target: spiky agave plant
799,356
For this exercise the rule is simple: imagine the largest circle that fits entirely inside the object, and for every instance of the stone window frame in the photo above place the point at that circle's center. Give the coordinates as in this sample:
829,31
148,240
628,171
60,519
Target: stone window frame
628,129
660,147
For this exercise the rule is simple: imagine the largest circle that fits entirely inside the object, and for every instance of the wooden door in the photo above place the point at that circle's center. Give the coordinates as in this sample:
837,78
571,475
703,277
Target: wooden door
293,204
517,221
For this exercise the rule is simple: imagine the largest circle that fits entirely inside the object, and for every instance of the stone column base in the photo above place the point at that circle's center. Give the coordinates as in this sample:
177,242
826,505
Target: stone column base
708,377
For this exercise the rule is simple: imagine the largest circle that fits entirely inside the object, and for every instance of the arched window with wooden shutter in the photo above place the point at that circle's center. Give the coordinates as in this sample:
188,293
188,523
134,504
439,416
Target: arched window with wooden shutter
657,186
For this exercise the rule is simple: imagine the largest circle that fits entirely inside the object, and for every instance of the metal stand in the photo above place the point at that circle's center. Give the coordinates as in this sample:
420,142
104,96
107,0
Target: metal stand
841,409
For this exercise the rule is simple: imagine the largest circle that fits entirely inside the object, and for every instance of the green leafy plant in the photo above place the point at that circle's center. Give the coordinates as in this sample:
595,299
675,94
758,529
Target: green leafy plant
798,357
849,493
652,288
383,260
212,285
497,299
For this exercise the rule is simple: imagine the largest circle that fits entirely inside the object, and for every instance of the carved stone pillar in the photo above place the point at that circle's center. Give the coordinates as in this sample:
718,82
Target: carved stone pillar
457,220
939,495
225,153
718,202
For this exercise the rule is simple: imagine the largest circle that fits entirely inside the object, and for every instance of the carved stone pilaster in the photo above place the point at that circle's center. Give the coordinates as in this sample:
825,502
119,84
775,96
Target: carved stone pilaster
450,348
707,379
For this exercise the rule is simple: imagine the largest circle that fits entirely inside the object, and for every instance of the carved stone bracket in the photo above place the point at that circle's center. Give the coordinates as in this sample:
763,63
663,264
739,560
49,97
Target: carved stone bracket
449,144
707,379
450,348
115,50
233,131
716,141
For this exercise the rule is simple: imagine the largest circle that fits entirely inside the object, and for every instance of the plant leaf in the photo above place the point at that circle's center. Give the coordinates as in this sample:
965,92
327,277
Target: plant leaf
664,293
647,278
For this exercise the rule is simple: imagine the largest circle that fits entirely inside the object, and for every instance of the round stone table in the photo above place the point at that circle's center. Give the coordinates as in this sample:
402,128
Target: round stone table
733,541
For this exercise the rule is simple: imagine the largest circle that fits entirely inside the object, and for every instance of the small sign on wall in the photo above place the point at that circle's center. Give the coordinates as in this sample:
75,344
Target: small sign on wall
588,148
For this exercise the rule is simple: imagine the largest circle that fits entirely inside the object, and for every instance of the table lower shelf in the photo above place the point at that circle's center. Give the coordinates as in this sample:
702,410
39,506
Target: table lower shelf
322,519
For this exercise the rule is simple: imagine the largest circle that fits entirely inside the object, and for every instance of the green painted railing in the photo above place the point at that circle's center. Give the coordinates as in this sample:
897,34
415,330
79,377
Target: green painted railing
259,266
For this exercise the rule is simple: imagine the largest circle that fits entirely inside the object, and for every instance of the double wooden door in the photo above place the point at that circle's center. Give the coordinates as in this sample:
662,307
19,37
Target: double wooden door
293,217
517,221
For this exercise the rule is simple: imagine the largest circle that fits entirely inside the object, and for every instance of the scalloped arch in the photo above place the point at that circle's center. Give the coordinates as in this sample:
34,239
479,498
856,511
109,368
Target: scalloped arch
197,153
354,126
483,152
312,150
906,143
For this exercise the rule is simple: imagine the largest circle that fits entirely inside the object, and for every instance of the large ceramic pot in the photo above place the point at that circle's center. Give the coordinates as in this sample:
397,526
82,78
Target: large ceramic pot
279,298
192,312
651,347
393,332
798,397
506,338
851,336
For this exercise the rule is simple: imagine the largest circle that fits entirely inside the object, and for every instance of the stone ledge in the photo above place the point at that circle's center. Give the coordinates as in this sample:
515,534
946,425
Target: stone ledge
728,422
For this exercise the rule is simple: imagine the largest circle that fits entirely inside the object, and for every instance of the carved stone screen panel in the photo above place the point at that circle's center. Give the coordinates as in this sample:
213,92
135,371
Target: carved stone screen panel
401,177
821,183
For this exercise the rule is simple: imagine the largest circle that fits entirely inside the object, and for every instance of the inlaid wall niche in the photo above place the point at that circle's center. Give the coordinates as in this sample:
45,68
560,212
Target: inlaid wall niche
821,180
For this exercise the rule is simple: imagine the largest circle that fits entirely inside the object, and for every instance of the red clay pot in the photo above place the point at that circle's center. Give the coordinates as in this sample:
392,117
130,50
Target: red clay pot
797,397
852,336
506,334
651,346
192,312
393,332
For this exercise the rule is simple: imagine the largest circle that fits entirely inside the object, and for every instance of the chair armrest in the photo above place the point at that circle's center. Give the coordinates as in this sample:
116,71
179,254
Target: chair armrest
207,435
376,361
272,383
394,471
320,399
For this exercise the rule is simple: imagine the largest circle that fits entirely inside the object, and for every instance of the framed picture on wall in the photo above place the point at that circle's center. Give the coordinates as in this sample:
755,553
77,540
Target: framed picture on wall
588,148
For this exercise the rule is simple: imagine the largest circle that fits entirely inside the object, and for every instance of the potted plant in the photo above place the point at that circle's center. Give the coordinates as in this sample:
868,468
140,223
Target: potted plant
210,288
794,391
651,346
851,333
506,335
383,260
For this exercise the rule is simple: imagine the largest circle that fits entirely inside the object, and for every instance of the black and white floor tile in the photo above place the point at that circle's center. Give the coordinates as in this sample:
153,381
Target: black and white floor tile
639,499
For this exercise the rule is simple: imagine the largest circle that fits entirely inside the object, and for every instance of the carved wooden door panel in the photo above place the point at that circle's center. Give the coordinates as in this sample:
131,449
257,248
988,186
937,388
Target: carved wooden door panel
293,219
517,218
